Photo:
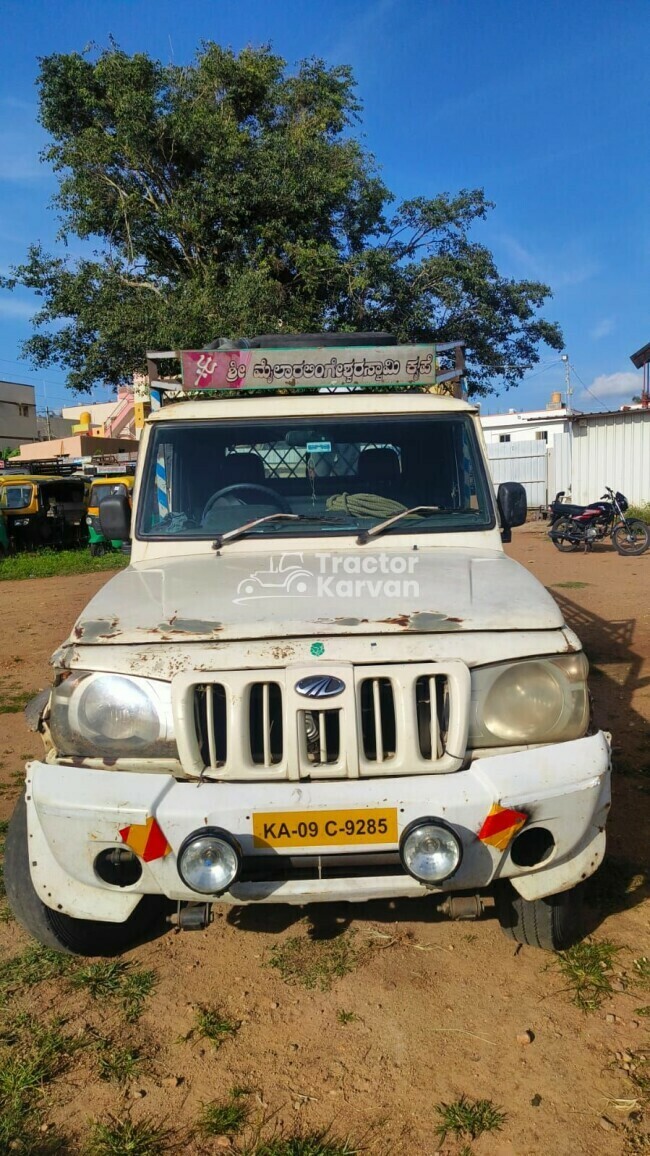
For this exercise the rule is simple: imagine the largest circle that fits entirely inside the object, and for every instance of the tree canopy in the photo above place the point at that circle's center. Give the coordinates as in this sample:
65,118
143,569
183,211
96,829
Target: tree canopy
231,197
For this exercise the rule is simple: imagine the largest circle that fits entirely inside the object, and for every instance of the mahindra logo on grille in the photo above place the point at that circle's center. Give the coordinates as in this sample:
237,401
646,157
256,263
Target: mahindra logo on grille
320,686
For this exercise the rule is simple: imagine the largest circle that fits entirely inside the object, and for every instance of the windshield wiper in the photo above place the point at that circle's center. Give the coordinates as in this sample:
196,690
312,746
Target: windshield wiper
366,535
239,531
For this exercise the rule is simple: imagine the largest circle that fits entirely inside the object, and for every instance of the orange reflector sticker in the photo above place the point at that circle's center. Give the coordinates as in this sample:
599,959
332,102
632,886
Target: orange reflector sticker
501,826
146,840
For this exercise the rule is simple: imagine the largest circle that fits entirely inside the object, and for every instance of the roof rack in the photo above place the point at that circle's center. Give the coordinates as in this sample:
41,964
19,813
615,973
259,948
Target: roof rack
329,364
55,467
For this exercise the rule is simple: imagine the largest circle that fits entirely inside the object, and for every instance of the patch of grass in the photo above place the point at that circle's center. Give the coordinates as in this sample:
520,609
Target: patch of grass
225,1119
465,1117
570,585
138,986
587,968
642,1011
641,968
115,979
117,1137
102,979
305,1144
346,1017
118,1064
5,910
315,963
35,965
52,563
214,1024
15,701
32,1054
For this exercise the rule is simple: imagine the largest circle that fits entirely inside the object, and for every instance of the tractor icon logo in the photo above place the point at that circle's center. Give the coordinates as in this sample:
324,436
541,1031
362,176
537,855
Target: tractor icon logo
286,576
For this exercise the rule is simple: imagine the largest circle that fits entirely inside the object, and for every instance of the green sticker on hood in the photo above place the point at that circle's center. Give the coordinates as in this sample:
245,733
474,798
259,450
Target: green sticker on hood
317,649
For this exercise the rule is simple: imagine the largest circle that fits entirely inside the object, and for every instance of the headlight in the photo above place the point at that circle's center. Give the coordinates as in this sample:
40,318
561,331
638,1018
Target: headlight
209,861
96,715
430,851
89,520
531,701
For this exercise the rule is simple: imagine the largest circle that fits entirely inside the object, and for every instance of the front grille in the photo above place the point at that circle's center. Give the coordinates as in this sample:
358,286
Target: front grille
321,734
377,719
432,706
265,723
401,719
211,724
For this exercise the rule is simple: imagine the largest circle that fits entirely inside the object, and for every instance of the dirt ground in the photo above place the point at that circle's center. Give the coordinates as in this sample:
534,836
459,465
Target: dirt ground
436,1007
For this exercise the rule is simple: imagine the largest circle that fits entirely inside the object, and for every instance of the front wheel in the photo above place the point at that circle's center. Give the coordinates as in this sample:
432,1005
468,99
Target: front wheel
53,928
97,549
631,537
563,532
553,923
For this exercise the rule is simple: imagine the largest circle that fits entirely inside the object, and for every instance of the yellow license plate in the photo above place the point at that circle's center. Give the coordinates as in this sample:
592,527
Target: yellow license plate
325,828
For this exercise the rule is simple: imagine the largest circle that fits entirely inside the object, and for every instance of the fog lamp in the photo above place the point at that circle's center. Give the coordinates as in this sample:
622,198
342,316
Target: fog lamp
209,861
430,851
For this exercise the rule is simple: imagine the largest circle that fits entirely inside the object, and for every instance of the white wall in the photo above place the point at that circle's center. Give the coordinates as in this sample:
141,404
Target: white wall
612,450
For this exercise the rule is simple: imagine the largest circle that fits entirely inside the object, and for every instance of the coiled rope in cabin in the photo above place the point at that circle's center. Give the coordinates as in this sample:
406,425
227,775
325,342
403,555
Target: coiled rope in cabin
366,505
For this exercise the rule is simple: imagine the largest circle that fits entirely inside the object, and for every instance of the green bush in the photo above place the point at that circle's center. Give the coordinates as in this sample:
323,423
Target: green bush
642,512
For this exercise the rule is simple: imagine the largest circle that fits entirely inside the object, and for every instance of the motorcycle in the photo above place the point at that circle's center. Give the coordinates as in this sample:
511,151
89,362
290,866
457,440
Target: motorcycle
574,526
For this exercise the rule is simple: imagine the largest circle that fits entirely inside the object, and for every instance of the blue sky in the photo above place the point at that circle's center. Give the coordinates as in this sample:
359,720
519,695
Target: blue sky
545,105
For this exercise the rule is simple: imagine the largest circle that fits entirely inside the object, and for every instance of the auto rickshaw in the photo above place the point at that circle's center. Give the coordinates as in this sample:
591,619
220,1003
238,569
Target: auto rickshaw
4,537
43,510
101,488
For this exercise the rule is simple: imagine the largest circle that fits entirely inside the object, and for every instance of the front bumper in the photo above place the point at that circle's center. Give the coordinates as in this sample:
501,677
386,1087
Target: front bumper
74,813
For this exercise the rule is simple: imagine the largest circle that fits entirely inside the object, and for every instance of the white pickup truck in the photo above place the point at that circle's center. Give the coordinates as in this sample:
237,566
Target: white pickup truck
320,678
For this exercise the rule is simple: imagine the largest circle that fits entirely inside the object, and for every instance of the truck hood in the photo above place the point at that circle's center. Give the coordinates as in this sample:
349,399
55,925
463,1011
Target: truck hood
240,596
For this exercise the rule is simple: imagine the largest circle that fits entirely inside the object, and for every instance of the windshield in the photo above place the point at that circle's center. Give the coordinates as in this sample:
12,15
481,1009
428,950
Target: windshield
15,497
338,475
106,490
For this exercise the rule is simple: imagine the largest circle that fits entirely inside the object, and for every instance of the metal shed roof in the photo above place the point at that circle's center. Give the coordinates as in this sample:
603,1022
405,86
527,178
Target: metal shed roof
641,357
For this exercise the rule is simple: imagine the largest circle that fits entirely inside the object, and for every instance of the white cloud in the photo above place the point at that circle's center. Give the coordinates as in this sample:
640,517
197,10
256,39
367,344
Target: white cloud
602,328
559,270
612,389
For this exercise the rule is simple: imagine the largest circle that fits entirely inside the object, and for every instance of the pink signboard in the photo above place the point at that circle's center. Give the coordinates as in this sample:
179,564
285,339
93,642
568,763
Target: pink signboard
280,368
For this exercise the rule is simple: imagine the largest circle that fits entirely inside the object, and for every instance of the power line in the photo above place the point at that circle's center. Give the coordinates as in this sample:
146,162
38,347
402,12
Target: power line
586,387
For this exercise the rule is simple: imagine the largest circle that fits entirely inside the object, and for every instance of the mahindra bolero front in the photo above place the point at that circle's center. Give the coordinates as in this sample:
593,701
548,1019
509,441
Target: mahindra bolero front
320,678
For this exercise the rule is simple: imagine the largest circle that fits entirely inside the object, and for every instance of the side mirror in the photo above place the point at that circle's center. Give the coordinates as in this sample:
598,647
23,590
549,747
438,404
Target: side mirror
513,507
115,518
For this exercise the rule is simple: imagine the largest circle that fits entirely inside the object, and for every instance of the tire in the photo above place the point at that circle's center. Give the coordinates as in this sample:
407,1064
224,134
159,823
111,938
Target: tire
563,544
633,539
53,928
553,923
97,549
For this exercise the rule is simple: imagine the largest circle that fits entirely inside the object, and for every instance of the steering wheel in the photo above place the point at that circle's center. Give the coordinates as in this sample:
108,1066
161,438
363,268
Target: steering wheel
282,505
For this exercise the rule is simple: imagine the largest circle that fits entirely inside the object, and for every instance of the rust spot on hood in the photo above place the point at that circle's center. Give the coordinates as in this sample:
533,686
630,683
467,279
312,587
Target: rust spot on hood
178,625
398,620
421,620
96,629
